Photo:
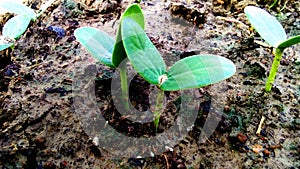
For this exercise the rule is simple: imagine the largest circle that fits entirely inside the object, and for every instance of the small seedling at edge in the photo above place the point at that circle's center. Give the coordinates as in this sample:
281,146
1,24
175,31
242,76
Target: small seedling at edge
273,33
18,24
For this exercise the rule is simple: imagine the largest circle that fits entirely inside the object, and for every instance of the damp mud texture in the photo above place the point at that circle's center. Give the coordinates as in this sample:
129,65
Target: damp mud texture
41,125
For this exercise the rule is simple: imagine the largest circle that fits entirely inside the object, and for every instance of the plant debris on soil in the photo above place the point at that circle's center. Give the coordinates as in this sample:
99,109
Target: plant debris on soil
39,126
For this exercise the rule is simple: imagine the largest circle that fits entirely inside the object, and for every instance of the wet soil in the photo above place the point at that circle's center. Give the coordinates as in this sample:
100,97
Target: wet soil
40,126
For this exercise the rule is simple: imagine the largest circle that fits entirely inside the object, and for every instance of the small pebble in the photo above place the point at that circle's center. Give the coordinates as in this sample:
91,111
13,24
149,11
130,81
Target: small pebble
60,32
169,148
263,133
266,152
77,58
242,138
63,164
49,165
96,141
257,148
40,141
9,72
226,108
246,148
238,96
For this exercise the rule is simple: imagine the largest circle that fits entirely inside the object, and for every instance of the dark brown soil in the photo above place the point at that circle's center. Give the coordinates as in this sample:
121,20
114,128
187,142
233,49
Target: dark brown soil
40,127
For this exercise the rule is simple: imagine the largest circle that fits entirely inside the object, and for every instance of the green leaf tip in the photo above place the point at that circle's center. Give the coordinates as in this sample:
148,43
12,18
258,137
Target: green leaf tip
197,71
289,42
97,42
266,25
142,54
134,12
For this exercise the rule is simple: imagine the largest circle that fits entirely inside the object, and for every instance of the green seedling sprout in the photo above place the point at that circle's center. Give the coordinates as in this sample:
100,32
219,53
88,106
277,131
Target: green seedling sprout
273,33
18,24
108,51
132,42
191,72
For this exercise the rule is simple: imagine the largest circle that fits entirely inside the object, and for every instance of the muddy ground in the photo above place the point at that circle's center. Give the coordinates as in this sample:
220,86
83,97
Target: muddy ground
39,126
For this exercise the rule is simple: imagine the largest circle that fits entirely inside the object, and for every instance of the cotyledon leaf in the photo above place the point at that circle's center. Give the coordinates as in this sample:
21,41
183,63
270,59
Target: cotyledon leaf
289,42
266,25
142,54
17,8
134,12
197,71
16,26
98,43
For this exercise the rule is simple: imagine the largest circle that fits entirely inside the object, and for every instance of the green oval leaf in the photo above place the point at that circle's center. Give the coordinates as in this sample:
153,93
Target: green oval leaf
134,12
197,71
289,42
16,26
266,25
17,8
142,54
98,43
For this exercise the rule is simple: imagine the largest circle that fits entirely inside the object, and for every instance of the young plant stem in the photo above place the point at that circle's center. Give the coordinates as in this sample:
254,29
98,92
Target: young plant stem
158,107
124,85
272,74
273,4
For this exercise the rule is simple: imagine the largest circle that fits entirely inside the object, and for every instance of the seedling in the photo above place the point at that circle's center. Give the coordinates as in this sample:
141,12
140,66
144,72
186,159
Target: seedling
273,33
18,24
191,72
132,42
108,51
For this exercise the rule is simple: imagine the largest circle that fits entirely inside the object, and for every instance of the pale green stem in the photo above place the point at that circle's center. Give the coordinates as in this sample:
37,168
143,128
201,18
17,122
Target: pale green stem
158,107
272,74
273,4
124,85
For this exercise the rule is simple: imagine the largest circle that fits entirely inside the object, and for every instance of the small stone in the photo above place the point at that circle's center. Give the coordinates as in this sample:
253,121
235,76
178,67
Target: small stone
60,32
169,148
266,152
226,109
180,166
40,141
96,141
63,164
238,96
49,165
263,133
77,58
257,148
152,154
242,138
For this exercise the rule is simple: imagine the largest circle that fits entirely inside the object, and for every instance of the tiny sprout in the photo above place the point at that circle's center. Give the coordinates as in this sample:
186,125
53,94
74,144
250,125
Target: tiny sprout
273,33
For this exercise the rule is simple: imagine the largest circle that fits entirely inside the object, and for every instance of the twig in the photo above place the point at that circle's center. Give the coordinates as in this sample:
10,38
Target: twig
168,166
227,19
260,125
262,44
